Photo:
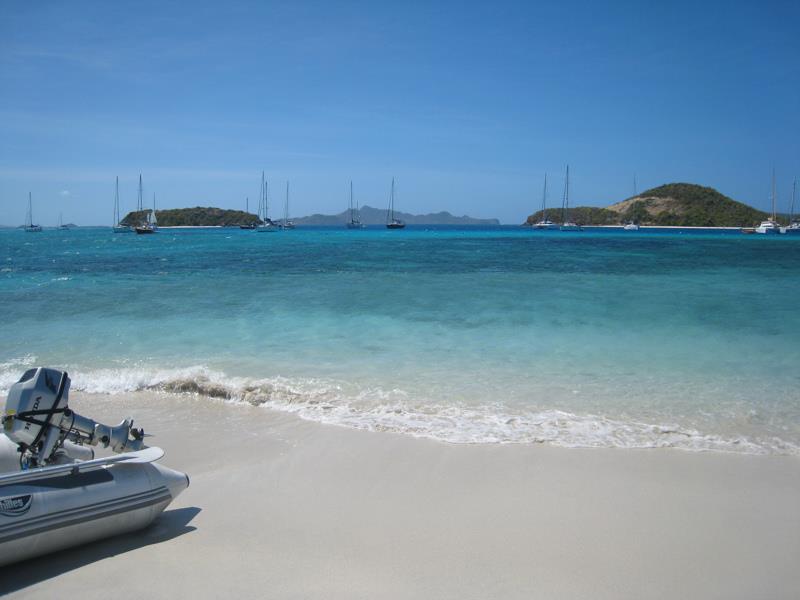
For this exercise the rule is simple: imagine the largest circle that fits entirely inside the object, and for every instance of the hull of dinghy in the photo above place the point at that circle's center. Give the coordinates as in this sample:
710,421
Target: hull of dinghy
57,511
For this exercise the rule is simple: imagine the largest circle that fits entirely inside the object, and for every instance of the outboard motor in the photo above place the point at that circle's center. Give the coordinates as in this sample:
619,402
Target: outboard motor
38,419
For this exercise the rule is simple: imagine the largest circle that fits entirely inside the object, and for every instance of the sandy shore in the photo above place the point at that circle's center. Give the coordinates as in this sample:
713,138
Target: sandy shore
282,508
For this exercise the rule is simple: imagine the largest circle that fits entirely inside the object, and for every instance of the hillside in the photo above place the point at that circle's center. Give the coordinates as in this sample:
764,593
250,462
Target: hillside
377,216
676,204
197,216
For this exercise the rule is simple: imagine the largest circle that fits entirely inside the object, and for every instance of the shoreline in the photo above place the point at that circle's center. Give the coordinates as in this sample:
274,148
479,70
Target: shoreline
282,507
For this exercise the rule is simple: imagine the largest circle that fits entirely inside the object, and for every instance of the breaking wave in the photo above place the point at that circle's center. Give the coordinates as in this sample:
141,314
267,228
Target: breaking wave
394,410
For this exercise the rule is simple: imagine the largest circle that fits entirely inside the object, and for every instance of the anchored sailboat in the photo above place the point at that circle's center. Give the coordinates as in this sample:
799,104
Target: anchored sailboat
150,224
250,225
794,224
30,227
355,218
265,224
61,223
770,225
391,221
287,223
118,227
545,223
566,224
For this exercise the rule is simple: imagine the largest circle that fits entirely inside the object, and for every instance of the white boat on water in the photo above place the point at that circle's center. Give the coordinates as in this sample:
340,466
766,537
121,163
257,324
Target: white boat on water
53,493
30,226
545,223
770,226
287,223
265,225
631,226
566,224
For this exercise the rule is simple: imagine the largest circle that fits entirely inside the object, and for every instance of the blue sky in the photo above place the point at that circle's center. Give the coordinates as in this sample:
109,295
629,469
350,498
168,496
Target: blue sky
467,104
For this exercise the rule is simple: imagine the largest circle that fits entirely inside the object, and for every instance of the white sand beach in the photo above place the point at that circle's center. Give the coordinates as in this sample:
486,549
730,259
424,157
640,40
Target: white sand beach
283,508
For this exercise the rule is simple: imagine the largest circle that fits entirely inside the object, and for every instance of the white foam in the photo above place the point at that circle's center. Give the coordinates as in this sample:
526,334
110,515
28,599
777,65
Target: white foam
394,410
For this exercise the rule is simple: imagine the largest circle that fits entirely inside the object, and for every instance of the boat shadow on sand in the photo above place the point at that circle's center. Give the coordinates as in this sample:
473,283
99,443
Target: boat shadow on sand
169,525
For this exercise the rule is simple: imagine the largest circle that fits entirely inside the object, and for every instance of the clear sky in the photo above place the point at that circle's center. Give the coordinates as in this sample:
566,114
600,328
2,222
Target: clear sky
467,104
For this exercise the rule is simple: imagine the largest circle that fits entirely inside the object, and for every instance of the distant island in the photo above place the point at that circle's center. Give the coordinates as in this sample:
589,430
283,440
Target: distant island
377,216
201,216
673,204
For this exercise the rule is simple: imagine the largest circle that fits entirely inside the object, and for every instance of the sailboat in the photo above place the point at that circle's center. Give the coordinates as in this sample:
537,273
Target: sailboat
770,225
287,223
150,224
391,221
794,224
265,225
566,224
355,218
61,225
250,225
118,226
545,223
29,225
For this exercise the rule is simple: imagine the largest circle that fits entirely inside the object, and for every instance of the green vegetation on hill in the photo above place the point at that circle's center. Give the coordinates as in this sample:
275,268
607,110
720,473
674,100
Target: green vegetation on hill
679,204
198,216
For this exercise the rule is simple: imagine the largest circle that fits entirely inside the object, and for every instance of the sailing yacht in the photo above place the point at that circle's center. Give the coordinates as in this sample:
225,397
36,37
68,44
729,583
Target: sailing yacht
391,221
118,227
566,224
287,223
247,212
770,225
355,218
30,227
265,225
545,223
61,225
150,224
794,224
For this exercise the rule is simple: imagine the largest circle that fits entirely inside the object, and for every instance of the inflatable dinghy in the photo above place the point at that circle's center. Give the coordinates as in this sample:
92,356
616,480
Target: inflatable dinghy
59,495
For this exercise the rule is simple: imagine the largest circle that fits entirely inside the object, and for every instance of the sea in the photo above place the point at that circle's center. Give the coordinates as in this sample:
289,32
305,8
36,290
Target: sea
483,335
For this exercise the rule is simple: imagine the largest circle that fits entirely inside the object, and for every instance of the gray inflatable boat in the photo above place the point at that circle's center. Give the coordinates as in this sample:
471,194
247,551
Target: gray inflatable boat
53,493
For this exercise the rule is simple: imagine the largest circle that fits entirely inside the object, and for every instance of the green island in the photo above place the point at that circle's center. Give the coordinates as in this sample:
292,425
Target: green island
199,216
673,204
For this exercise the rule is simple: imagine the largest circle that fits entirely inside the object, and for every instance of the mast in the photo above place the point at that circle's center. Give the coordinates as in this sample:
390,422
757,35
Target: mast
565,200
139,203
29,219
791,206
773,195
352,213
391,204
116,202
286,207
155,221
544,199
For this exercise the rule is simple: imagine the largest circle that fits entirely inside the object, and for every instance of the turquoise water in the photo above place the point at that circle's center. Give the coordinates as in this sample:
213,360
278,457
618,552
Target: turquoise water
498,334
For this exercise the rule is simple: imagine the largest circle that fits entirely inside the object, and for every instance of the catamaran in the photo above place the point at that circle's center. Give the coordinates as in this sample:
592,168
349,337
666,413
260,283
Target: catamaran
265,225
794,224
545,223
54,494
286,223
355,218
566,224
118,226
391,221
770,225
150,224
30,227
